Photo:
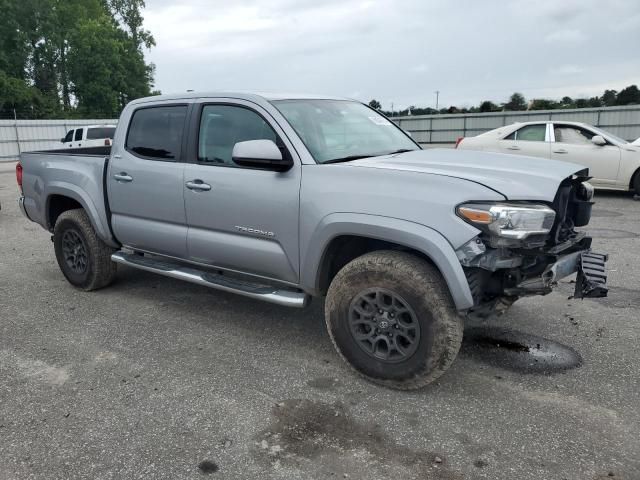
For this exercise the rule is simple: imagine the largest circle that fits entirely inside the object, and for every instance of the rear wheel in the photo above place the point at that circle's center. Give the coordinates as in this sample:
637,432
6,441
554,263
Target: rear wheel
391,317
84,259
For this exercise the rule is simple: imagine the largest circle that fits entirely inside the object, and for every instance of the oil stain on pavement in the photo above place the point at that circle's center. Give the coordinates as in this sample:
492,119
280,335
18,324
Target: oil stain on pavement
322,439
518,351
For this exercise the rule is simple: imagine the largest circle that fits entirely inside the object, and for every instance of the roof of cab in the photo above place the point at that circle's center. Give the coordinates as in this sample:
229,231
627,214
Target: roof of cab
251,96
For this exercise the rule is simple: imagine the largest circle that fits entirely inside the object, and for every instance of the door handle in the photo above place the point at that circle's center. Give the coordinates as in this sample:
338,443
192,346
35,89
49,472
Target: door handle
198,185
513,147
123,177
560,150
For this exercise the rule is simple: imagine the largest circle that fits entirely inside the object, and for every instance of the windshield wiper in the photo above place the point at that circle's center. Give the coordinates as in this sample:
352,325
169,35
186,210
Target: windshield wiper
402,150
358,157
347,158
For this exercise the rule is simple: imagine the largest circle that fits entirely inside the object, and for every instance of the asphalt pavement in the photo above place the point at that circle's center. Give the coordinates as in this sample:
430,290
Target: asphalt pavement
155,378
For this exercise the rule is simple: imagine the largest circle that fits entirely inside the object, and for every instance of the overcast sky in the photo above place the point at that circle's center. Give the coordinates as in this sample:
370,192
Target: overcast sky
397,51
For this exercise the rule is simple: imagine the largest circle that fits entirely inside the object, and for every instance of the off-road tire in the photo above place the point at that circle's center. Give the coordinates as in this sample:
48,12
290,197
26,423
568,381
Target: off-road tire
100,270
421,285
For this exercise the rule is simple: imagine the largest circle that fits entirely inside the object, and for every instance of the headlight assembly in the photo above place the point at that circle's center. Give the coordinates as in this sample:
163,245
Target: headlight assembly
512,221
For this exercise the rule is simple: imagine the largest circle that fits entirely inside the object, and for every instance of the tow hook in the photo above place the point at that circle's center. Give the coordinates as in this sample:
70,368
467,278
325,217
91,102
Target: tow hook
591,281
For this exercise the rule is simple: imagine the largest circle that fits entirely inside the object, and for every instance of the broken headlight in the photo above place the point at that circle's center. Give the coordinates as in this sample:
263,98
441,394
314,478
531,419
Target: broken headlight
509,223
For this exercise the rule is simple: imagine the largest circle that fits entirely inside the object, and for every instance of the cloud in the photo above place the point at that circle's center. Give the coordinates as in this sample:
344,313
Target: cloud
567,70
398,52
562,37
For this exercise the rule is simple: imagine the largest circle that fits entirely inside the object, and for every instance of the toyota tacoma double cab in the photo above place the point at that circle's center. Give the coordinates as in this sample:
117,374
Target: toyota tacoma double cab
283,198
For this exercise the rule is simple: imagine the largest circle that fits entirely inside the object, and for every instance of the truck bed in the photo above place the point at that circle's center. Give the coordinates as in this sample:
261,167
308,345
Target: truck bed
76,173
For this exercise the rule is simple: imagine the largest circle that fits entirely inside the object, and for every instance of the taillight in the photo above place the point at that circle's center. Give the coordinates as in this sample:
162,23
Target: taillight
459,141
19,175
107,142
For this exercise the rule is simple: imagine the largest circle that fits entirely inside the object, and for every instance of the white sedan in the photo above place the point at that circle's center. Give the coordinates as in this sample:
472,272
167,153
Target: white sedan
613,163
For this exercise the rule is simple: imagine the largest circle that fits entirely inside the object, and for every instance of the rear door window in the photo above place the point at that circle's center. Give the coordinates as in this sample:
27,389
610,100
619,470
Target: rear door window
156,132
100,132
78,135
529,133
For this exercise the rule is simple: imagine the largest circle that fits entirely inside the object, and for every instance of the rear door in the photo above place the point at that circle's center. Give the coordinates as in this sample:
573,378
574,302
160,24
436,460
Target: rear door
78,138
239,218
145,183
572,143
531,140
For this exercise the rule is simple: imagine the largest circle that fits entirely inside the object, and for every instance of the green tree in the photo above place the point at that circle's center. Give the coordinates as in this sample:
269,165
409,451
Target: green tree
72,56
609,98
375,104
594,102
488,106
628,96
516,102
567,102
543,104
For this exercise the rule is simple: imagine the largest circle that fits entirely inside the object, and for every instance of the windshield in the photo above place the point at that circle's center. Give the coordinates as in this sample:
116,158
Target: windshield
334,130
609,134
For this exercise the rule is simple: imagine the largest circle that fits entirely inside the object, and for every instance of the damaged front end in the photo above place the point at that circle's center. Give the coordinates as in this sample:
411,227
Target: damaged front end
525,248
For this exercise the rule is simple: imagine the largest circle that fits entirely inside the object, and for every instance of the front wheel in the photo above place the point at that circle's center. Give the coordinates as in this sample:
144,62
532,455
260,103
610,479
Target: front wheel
84,259
635,184
391,317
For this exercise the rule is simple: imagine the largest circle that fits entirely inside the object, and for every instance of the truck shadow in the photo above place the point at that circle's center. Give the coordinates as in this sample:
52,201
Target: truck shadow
499,347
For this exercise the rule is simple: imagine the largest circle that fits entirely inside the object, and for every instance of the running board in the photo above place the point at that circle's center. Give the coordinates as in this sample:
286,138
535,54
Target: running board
288,298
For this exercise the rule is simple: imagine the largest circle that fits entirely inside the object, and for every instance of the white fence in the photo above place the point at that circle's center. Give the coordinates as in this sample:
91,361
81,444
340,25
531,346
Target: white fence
27,135
24,135
425,129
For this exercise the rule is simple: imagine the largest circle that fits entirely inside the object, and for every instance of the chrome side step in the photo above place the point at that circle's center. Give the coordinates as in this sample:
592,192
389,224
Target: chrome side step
288,298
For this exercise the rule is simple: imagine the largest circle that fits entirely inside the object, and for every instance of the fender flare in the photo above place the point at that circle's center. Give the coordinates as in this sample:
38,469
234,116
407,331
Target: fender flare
412,235
76,193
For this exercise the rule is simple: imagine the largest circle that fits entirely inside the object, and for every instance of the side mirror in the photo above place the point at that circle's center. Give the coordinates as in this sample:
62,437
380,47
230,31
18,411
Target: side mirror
263,154
62,140
598,140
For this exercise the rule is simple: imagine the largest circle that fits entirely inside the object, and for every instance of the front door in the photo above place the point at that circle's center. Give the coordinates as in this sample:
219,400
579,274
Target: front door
573,144
239,218
146,179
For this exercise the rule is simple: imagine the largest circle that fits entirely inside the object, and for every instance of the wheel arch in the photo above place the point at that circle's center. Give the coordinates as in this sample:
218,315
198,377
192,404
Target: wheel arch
63,197
342,237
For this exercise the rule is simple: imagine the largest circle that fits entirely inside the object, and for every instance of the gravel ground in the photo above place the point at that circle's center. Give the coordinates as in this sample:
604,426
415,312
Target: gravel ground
154,378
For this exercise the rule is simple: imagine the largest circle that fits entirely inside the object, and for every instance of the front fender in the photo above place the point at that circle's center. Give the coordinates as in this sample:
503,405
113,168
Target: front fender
408,234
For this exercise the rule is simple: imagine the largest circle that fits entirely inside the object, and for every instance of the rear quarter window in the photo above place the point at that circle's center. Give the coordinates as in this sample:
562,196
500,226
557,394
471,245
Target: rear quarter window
100,133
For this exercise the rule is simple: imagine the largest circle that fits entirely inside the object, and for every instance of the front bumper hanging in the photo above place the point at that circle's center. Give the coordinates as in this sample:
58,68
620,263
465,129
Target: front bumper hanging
591,281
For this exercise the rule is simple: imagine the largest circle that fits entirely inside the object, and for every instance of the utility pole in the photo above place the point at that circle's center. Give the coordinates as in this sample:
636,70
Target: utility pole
437,92
15,124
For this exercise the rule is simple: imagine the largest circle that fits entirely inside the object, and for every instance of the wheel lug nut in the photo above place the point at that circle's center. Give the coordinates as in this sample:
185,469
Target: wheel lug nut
380,311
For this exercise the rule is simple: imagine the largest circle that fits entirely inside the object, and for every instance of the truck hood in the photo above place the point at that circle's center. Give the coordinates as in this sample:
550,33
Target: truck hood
514,176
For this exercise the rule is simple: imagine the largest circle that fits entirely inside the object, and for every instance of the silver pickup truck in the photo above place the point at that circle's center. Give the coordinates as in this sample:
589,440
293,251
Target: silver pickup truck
284,198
